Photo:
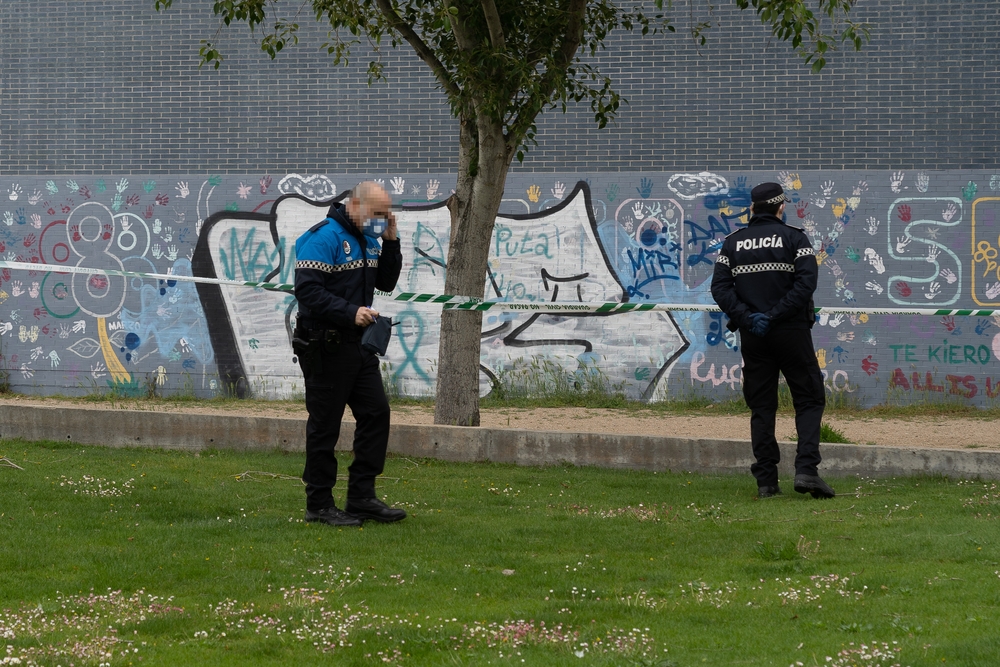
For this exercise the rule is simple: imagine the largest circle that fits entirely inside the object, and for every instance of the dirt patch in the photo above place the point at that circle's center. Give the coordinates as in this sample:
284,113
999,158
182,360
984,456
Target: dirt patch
918,432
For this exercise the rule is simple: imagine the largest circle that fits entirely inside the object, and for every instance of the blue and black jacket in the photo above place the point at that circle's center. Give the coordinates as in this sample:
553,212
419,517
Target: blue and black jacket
766,267
338,269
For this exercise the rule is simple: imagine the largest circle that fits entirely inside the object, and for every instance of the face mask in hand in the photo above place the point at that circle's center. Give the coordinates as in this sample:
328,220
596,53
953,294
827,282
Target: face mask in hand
374,227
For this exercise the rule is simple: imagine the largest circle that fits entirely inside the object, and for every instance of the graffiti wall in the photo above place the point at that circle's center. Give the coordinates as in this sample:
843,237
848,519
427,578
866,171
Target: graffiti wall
883,240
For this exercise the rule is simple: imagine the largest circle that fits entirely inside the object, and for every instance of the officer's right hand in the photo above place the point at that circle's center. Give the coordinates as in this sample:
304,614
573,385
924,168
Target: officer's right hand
365,316
759,324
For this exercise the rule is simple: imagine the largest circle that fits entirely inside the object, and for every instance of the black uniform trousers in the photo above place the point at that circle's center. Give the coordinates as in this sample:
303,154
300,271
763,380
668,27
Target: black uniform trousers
339,374
791,352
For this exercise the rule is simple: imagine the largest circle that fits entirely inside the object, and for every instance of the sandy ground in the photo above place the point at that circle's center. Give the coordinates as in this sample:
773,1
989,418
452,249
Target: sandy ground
921,432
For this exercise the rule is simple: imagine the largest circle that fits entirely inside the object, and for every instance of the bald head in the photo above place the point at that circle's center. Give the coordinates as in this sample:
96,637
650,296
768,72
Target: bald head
368,200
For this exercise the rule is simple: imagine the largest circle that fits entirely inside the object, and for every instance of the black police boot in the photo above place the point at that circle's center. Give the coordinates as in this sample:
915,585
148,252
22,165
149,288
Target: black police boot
768,491
813,485
332,516
374,509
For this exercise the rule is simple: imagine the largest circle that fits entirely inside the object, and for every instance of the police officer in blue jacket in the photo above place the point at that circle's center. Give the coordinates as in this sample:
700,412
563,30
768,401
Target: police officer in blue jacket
764,281
338,265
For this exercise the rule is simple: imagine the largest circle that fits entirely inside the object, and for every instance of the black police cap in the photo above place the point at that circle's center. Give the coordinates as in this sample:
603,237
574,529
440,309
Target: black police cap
767,193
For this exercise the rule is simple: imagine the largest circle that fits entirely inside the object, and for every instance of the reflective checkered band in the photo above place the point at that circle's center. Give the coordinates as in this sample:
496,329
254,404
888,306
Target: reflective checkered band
776,200
319,266
764,266
804,252
722,259
330,268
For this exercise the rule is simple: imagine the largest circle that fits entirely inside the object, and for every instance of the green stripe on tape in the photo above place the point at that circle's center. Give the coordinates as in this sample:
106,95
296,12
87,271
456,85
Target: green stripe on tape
405,296
963,312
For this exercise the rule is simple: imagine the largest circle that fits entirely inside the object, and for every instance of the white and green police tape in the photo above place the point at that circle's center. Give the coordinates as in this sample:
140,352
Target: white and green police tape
450,301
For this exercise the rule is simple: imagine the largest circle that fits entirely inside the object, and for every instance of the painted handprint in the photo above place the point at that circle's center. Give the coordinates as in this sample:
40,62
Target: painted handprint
122,185
933,290
845,336
645,188
949,212
821,358
789,180
14,192
172,252
903,289
923,182
969,191
875,260
85,192
157,226
80,326
983,325
901,243
36,221
398,185
836,320
131,200
638,212
932,254
949,323
896,180
54,359
611,192
534,192
97,370
64,330
35,197
870,338
51,187
148,186
904,213
33,290
949,276
72,186
182,189
265,183
834,267
26,371
868,366
157,251
8,218
6,328
148,213
800,209
16,288
873,287
993,290
827,188
432,188
558,190
161,200
818,200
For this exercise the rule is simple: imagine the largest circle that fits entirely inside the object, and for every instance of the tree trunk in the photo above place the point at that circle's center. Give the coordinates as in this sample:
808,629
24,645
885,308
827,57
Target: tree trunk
484,159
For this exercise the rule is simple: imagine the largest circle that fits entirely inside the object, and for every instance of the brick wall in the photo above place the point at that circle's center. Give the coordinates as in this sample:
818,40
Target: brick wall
111,86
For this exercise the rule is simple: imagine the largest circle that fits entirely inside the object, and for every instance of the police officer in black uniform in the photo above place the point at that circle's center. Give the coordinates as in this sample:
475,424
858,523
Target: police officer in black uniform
764,281
339,264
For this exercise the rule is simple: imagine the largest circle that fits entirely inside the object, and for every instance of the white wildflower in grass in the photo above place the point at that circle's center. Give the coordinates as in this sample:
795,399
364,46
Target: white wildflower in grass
701,593
792,591
88,485
83,628
874,654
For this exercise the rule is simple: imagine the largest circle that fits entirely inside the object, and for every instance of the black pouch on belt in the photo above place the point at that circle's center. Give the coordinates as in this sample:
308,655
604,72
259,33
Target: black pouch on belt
376,337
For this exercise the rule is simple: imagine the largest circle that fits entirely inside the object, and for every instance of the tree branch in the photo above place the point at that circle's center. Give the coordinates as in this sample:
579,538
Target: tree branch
462,38
423,51
575,15
493,23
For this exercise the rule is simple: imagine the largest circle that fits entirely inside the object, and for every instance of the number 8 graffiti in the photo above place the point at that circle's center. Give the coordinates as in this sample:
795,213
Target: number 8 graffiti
90,229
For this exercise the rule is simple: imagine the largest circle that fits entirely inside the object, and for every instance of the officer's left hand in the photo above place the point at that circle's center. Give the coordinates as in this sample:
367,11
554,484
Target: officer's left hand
390,231
759,324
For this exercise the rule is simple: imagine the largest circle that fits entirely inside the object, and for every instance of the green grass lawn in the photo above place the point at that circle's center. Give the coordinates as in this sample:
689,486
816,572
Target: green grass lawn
172,558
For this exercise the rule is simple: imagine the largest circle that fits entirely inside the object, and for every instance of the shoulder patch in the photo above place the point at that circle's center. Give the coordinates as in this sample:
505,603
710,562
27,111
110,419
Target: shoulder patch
347,247
319,225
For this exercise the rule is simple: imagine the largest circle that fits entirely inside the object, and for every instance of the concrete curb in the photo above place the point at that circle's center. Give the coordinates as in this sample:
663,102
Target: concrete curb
196,431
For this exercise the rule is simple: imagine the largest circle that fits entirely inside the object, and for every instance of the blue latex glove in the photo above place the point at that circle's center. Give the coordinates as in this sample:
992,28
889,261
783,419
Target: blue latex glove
759,324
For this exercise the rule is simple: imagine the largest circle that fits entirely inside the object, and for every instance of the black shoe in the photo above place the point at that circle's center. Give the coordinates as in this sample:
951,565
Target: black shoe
374,509
332,516
768,491
814,485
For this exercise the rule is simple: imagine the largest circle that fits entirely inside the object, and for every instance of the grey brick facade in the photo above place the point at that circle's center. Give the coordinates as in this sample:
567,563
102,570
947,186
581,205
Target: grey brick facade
101,87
